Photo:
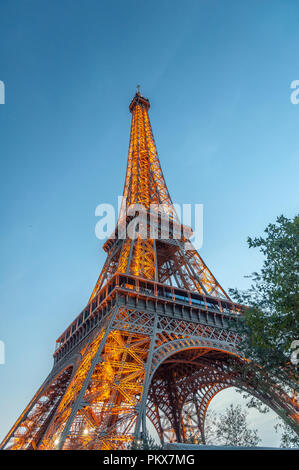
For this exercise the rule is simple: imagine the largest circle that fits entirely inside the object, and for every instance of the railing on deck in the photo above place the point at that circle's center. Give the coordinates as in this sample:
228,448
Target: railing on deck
148,288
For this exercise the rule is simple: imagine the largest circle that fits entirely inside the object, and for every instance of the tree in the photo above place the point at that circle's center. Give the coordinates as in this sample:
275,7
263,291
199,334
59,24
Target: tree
232,428
193,435
227,429
288,437
271,323
146,442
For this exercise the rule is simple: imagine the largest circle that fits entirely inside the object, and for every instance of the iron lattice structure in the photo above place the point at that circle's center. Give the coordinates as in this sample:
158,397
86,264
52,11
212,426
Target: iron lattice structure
154,342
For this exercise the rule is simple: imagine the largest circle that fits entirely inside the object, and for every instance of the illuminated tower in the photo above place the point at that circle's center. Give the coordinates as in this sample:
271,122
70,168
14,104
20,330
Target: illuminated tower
155,341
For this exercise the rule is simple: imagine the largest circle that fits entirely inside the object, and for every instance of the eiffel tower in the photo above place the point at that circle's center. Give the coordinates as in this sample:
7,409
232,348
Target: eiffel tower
155,342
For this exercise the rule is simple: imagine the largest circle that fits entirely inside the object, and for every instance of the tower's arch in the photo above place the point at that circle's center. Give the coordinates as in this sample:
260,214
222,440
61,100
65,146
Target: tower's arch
185,381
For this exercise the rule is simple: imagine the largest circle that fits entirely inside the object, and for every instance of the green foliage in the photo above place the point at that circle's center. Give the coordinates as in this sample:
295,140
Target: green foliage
195,437
233,430
272,319
146,442
228,429
289,439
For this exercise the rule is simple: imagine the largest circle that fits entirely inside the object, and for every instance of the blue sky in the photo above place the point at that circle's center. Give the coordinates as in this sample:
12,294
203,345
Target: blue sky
218,76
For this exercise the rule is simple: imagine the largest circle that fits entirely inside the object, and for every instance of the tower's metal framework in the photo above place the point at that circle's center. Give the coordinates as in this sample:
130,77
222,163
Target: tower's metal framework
155,340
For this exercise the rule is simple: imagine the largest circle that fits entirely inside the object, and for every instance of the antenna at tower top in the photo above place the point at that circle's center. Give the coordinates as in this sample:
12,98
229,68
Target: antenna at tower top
139,99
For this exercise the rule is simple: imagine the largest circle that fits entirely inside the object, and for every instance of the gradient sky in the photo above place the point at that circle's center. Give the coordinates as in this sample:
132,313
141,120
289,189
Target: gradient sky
218,76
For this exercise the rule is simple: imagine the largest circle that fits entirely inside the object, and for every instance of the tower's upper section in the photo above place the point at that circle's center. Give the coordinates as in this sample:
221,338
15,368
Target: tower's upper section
144,183
151,252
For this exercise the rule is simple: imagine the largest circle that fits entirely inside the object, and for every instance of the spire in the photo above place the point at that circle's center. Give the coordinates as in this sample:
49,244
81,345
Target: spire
144,183
139,99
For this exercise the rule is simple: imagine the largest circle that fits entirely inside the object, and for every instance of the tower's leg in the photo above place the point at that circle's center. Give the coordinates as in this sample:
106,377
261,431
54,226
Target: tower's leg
78,402
72,400
174,405
33,422
141,419
105,403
